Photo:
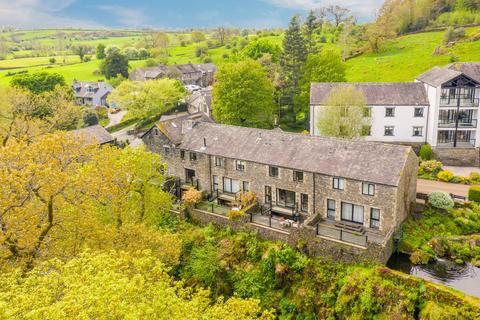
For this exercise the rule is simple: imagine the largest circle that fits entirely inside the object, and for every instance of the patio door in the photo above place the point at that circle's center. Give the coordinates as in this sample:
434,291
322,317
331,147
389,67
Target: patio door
352,213
230,185
285,198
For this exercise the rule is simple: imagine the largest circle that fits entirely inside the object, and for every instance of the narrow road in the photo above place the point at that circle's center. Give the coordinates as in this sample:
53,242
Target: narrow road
115,118
429,186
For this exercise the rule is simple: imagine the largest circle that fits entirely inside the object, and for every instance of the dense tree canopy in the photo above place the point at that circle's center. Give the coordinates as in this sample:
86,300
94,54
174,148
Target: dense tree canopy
25,115
113,285
57,191
256,49
148,98
114,64
326,66
38,82
243,95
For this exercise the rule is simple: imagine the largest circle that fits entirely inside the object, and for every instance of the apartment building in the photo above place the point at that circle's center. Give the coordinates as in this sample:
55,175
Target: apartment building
440,108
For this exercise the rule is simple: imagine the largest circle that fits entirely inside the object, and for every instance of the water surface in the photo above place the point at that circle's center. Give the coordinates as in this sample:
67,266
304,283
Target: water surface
465,278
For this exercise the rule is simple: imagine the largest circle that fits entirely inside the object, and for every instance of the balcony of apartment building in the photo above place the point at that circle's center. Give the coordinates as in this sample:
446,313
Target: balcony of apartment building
457,119
456,138
459,97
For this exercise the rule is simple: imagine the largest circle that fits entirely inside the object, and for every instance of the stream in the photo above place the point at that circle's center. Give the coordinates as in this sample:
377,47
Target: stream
465,278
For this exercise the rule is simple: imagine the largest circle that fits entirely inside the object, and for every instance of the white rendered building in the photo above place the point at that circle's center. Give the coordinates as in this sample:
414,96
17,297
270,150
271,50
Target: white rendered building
440,108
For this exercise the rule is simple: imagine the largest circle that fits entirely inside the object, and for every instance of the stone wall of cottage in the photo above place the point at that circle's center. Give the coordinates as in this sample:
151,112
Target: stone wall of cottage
393,202
384,199
257,175
407,189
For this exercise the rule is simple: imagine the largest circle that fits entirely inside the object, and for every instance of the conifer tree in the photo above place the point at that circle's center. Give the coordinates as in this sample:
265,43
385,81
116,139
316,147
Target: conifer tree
292,59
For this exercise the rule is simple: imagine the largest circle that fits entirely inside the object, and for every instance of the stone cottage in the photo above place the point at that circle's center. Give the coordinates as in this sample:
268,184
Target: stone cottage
342,185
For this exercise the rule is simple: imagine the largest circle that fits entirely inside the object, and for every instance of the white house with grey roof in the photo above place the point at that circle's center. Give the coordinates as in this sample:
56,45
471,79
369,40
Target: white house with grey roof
93,94
398,110
440,108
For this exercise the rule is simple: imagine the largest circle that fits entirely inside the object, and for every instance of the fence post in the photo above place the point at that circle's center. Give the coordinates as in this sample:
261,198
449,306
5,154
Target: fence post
270,220
251,217
317,230
212,209
341,235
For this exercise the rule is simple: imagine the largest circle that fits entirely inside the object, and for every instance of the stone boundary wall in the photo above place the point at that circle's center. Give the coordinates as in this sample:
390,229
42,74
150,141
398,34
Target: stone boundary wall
466,157
303,238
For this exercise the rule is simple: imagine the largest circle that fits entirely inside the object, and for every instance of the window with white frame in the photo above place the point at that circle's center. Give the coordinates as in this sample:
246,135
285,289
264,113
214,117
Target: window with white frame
418,112
338,183
389,112
240,165
418,131
368,189
389,131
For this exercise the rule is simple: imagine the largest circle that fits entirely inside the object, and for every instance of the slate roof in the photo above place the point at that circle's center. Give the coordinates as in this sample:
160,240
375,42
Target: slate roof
142,74
80,89
200,96
440,75
381,93
172,127
359,160
95,133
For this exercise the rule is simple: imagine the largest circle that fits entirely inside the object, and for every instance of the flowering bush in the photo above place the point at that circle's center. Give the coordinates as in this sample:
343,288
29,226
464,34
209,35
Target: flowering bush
247,198
445,175
440,200
192,196
431,166
235,214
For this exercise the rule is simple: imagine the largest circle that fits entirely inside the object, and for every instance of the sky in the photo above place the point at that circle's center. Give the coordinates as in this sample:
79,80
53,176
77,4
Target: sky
166,14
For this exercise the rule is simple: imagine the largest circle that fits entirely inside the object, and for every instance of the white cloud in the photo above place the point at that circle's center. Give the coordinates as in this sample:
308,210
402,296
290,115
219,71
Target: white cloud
39,14
361,8
126,16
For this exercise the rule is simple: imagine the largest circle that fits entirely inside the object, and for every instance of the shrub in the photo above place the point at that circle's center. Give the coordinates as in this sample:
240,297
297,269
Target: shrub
247,198
474,193
464,180
440,200
90,118
192,196
426,152
420,257
431,166
445,175
235,214
475,177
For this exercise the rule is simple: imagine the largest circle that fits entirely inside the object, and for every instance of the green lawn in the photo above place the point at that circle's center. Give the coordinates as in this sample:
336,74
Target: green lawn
401,60
407,57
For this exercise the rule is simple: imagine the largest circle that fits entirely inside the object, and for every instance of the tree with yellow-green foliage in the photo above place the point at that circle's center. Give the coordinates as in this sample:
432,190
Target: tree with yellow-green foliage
113,285
59,194
148,98
25,115
344,114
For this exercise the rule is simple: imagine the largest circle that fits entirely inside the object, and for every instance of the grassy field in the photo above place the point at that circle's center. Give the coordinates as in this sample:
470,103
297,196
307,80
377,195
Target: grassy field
407,57
401,60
